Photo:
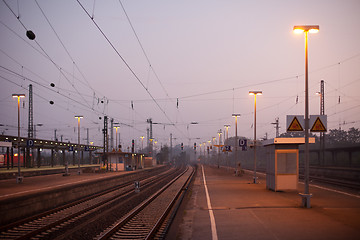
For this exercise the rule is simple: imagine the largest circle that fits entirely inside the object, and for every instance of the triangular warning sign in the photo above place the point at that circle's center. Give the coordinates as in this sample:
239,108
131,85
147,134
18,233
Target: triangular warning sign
295,126
318,126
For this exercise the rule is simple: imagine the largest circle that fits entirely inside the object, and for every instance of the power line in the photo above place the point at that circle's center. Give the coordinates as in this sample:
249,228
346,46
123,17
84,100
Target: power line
43,50
62,44
142,48
126,64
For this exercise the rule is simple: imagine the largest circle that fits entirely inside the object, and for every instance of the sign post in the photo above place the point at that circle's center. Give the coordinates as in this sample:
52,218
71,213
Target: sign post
243,144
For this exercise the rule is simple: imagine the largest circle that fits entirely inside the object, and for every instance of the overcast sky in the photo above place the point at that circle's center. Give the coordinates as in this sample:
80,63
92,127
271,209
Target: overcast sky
190,61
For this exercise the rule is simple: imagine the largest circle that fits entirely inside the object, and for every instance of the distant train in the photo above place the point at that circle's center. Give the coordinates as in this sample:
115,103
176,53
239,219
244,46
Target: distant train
4,160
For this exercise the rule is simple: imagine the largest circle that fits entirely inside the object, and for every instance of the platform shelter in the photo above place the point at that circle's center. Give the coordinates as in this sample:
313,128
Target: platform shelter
282,163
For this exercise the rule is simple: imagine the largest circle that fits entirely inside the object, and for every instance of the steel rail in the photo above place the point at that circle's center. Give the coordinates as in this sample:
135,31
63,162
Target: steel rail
107,234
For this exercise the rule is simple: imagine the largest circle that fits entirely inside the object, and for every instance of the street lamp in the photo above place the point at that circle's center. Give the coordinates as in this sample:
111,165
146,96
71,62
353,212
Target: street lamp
236,115
19,178
142,143
306,29
78,148
219,133
116,137
254,93
151,146
227,142
227,131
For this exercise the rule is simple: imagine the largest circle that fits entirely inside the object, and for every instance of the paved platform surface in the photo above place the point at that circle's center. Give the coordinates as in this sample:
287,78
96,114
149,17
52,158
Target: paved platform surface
9,188
243,210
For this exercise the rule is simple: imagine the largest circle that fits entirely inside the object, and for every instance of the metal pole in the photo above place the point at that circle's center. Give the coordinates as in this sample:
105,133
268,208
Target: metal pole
236,142
116,146
19,178
78,145
306,190
255,139
322,112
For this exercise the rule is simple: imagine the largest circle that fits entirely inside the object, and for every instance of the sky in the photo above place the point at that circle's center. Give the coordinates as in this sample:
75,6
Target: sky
178,63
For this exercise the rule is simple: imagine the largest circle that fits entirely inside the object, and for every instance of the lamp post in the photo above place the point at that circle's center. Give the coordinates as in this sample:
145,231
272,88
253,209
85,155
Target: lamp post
116,137
19,178
227,142
78,147
151,146
227,131
142,143
255,93
219,133
236,115
306,29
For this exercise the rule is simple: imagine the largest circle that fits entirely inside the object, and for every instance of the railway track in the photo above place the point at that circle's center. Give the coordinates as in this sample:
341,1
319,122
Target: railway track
150,219
56,222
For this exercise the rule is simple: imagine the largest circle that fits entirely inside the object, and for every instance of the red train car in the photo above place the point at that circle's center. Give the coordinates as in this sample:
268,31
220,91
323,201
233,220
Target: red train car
3,160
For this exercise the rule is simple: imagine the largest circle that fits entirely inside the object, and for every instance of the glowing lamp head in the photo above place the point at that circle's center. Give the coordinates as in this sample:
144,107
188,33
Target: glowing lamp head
18,95
251,93
306,28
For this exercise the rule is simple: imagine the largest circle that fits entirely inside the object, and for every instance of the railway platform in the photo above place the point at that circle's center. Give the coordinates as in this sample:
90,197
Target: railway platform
38,180
223,206
45,192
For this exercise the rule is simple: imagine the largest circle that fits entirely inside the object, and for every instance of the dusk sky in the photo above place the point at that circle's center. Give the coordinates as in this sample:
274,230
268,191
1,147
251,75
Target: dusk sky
176,62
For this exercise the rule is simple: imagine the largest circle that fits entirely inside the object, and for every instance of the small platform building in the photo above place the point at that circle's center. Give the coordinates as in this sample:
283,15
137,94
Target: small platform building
282,163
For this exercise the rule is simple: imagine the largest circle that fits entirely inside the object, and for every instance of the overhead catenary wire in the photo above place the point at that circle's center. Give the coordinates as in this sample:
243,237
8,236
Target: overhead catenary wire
52,90
63,45
126,64
43,53
142,48
43,50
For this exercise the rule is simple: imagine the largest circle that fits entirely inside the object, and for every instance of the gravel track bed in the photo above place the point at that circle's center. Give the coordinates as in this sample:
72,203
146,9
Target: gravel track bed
94,223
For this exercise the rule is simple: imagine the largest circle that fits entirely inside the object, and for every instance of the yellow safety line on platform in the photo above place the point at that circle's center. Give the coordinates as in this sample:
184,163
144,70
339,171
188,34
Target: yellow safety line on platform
211,213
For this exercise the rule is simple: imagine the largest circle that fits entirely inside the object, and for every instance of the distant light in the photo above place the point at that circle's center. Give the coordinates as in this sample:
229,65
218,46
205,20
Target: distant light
313,30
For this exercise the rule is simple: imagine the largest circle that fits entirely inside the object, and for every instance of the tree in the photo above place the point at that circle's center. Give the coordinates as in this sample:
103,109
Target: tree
163,155
342,137
336,136
353,135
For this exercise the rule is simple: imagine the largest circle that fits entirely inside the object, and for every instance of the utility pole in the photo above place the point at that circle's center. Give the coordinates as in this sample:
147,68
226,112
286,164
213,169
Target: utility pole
111,134
149,120
170,148
147,139
105,131
219,133
322,112
236,115
276,123
30,127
